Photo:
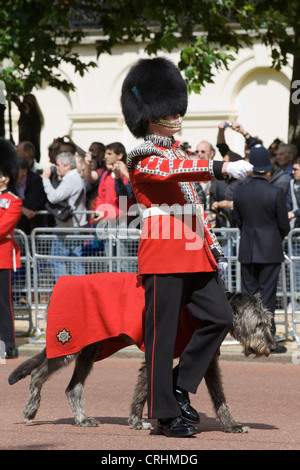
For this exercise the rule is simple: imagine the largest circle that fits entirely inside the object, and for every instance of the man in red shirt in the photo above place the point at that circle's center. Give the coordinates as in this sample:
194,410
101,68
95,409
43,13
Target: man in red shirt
115,195
179,255
10,214
114,183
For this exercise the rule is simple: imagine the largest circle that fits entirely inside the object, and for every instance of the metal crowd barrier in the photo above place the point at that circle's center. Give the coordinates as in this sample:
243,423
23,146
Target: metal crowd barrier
69,251
21,283
293,248
53,251
229,239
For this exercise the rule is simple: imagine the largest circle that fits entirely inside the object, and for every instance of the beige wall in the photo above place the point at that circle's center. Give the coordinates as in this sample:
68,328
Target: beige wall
250,92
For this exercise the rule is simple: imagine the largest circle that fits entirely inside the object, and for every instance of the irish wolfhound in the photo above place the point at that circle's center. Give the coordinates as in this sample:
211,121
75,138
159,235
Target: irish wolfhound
251,327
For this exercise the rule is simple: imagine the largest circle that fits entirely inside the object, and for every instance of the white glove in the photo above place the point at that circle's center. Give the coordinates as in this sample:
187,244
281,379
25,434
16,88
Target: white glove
240,169
222,266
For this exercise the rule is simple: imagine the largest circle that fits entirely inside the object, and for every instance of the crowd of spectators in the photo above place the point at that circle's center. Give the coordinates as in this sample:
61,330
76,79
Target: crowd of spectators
93,183
39,185
218,195
105,178
264,208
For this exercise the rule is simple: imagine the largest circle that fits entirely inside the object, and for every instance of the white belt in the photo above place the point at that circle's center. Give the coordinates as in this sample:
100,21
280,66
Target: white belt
188,209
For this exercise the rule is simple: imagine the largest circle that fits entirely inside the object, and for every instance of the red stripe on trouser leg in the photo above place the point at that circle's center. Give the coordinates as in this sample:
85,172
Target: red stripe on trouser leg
205,298
153,344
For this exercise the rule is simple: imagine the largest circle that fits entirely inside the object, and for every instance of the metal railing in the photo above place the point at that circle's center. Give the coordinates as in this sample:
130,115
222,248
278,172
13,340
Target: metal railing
293,248
69,251
21,282
49,252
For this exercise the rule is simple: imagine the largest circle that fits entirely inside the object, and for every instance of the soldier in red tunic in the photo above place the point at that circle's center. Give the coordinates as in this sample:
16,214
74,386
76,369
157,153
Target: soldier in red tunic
10,214
179,255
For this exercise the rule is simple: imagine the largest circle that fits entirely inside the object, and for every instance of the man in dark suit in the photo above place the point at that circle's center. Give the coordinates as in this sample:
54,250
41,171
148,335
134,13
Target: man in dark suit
261,215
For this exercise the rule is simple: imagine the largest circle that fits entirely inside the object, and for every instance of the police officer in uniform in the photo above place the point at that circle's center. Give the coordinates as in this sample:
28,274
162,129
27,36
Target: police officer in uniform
260,213
10,214
179,255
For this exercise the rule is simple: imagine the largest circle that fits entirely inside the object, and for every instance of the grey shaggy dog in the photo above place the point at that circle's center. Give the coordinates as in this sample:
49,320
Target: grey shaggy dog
251,327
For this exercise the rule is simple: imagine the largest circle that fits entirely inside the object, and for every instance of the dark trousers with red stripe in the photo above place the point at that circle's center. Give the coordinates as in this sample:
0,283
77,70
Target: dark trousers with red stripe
7,330
165,295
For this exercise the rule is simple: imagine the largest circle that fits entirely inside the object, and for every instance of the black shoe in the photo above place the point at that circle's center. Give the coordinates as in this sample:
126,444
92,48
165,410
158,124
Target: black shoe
189,413
11,353
279,350
175,427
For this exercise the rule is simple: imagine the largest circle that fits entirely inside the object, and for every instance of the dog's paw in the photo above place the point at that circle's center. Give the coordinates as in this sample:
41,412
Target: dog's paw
237,428
146,425
135,423
87,423
28,421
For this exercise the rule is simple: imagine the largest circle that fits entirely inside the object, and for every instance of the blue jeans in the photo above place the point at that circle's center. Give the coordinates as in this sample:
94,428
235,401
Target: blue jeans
69,248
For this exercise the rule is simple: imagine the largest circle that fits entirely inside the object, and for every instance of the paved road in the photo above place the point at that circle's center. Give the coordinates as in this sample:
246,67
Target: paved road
263,396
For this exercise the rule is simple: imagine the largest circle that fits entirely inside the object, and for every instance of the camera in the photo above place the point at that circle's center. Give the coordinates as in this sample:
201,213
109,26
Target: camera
184,145
228,124
53,170
94,156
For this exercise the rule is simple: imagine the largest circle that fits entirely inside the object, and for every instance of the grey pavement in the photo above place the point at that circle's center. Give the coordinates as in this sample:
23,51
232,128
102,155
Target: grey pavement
262,394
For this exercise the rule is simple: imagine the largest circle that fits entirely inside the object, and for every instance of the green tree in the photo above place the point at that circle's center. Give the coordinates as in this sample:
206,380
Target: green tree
277,24
209,34
37,35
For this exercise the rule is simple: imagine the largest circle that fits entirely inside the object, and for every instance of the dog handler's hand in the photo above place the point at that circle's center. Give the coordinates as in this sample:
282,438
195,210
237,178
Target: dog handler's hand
240,169
98,216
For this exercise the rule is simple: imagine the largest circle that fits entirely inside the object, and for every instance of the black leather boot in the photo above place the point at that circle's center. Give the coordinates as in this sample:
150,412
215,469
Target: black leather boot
11,353
175,427
189,413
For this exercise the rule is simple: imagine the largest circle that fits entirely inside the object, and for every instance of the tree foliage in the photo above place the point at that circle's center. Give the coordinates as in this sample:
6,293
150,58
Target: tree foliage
208,33
37,36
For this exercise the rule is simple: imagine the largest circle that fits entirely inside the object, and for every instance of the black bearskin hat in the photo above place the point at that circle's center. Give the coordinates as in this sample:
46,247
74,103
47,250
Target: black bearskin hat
153,88
9,163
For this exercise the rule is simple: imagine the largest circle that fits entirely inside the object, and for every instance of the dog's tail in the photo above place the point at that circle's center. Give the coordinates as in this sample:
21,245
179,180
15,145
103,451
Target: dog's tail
26,367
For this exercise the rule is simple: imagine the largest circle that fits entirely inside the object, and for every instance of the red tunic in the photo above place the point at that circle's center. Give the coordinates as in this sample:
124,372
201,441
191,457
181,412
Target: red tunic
10,214
161,174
